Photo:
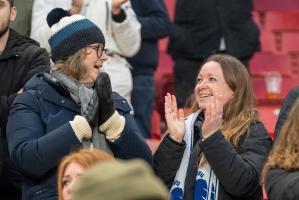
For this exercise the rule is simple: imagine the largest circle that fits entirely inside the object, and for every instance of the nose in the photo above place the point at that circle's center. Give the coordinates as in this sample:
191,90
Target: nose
202,84
104,56
71,187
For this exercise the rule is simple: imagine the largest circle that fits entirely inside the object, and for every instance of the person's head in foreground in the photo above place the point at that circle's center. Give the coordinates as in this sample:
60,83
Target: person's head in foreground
225,79
74,165
120,180
285,153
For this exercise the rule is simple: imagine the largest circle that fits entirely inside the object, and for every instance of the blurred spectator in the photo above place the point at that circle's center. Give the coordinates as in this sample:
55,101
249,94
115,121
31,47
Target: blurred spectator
115,180
219,150
281,171
20,59
155,24
70,107
204,27
285,108
73,166
120,27
22,24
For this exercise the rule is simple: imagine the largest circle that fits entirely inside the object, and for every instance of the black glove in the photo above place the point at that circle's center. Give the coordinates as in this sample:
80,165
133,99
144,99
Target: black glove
89,112
104,91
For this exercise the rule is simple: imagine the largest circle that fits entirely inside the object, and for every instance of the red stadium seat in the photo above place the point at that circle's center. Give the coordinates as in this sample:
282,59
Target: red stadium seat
282,20
269,115
262,5
259,88
263,62
156,120
267,40
289,42
164,81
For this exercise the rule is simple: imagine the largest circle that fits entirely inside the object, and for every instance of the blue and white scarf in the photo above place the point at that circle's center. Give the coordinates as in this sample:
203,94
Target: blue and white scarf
206,185
177,189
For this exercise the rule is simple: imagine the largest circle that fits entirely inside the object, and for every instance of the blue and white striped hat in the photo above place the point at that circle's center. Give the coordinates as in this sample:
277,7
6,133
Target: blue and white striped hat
68,34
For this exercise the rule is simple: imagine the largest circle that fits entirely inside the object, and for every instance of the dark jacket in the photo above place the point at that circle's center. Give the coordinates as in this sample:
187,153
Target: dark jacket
20,60
155,24
44,135
199,25
285,108
238,170
282,185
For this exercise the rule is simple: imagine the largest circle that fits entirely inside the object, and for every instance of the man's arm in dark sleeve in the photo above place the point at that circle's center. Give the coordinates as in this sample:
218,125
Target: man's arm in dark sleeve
155,22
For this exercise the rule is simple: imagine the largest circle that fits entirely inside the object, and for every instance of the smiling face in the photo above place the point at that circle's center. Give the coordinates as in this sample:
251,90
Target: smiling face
211,82
71,174
93,60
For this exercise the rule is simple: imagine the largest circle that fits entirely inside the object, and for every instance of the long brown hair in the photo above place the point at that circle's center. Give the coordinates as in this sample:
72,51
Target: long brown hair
83,157
285,153
239,112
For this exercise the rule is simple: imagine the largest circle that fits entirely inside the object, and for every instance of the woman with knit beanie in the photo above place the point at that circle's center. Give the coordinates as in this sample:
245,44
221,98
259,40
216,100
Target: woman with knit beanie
73,106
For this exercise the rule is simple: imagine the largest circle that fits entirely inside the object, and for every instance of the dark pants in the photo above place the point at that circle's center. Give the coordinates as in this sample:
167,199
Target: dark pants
185,75
10,177
143,97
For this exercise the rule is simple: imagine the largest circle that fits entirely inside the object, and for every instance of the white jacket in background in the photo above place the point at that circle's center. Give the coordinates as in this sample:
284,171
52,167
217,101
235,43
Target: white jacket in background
122,39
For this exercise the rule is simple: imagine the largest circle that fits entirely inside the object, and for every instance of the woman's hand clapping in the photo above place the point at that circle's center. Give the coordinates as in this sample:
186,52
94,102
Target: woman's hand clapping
174,118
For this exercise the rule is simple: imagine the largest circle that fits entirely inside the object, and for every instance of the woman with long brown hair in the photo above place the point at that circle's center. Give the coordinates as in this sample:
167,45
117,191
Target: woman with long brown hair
218,151
281,171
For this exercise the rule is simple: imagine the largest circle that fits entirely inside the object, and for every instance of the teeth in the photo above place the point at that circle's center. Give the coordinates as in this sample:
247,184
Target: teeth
204,95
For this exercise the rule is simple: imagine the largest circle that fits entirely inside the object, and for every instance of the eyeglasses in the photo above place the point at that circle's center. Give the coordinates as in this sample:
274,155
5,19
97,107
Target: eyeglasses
99,49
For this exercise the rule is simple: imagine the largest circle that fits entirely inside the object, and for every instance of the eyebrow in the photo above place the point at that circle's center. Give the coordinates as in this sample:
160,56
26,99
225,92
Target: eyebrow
208,75
66,176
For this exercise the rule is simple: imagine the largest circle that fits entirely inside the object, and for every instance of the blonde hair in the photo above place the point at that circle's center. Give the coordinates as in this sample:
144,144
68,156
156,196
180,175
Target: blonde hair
83,157
285,153
239,112
73,66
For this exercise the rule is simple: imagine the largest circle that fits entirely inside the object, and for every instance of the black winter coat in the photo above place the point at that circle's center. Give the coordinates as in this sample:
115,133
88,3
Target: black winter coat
238,170
285,108
199,25
20,60
282,185
44,136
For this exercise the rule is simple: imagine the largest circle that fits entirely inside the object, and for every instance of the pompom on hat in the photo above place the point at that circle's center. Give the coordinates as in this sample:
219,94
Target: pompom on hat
70,33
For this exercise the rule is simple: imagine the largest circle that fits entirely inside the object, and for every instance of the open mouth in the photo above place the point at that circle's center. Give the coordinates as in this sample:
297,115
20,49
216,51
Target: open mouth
202,96
97,66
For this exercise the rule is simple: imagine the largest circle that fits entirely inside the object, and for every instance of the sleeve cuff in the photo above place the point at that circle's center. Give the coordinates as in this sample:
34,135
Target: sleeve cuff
113,127
119,17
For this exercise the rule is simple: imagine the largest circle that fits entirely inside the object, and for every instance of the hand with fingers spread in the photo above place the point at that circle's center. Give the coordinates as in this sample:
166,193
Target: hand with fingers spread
174,118
213,116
